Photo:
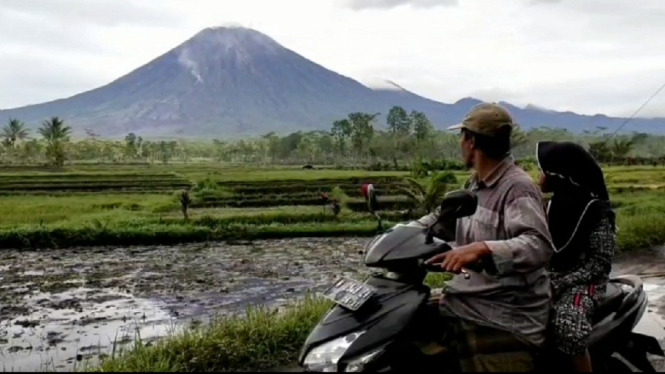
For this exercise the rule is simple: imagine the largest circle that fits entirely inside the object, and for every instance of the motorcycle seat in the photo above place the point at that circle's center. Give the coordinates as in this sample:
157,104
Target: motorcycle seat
610,302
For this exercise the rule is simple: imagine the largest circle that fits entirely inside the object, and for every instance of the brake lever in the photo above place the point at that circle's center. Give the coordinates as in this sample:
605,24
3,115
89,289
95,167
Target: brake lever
436,268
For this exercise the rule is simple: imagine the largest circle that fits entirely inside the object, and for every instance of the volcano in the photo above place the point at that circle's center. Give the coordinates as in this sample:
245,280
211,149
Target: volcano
234,81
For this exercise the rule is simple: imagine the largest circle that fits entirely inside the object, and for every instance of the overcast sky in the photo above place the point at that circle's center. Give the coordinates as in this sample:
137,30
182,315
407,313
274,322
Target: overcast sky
589,56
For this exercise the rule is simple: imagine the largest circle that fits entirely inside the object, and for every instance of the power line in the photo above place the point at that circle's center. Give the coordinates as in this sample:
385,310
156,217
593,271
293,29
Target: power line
636,112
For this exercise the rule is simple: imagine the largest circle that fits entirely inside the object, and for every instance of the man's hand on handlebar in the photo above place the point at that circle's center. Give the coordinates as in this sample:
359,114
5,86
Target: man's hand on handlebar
456,260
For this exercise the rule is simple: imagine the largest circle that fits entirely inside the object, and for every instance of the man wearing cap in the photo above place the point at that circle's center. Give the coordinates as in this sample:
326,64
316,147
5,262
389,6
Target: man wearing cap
498,317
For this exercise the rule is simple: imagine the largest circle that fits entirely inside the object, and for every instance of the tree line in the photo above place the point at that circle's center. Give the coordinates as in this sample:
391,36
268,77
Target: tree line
358,139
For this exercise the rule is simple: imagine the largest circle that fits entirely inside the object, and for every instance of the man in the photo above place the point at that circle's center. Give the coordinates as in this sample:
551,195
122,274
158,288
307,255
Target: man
498,317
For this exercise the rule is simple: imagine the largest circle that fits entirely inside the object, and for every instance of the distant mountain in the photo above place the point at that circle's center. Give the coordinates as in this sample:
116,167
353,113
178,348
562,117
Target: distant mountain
226,82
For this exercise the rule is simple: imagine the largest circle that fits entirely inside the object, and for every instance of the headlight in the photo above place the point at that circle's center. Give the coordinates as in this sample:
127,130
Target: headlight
358,365
325,357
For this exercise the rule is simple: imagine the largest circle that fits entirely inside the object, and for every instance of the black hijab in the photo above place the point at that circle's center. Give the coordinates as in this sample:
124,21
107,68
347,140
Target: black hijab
579,200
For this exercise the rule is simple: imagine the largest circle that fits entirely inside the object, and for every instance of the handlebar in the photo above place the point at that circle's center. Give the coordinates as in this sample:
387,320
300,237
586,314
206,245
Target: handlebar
436,268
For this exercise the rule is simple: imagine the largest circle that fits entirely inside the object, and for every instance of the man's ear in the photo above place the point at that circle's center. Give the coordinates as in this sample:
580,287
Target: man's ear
472,142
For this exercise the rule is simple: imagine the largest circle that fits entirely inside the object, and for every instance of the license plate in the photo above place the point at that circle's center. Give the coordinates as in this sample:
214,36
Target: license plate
349,293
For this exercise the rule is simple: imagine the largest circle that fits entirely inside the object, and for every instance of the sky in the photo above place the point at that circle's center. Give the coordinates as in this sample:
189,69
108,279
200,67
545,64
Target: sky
590,56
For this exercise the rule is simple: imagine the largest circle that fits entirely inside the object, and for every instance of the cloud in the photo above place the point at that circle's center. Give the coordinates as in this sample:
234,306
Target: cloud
387,4
23,31
30,79
591,56
534,2
95,12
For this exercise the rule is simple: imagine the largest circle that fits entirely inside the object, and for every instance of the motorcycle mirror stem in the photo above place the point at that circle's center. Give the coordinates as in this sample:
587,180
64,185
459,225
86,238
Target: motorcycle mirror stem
429,238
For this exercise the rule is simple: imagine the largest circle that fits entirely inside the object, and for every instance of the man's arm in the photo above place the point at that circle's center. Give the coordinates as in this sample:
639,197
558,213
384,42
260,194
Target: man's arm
529,247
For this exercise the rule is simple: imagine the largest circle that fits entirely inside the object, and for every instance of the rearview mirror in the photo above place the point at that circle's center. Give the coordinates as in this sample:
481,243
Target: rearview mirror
458,204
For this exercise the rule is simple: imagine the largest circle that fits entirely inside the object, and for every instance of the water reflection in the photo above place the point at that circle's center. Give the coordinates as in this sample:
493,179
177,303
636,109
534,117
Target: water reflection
62,338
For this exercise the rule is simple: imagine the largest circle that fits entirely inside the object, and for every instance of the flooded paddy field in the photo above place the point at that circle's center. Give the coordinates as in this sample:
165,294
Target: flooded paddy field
59,308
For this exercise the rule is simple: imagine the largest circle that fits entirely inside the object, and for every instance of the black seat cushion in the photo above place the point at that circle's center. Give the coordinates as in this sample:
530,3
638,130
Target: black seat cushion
610,302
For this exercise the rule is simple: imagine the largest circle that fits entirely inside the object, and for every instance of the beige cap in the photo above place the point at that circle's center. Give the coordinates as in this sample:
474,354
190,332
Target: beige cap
486,119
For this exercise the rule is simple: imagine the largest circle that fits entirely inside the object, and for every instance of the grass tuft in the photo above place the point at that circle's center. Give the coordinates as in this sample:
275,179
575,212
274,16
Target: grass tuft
261,340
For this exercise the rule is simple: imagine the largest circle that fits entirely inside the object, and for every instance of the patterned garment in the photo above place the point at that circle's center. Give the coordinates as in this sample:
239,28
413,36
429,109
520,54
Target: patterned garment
578,292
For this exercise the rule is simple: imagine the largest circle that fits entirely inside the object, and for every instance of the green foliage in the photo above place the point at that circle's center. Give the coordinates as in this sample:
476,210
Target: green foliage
445,177
427,198
622,147
118,205
261,340
185,201
422,127
56,135
340,196
517,137
421,169
206,185
600,151
399,122
362,131
528,163
353,142
13,132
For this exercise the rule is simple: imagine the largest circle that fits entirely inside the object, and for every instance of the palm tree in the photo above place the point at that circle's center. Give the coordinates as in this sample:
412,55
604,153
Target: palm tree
14,131
517,137
600,151
56,135
55,129
622,147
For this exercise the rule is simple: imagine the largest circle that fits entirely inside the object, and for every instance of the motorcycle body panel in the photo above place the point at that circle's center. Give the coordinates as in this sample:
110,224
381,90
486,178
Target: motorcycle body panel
398,315
400,248
393,309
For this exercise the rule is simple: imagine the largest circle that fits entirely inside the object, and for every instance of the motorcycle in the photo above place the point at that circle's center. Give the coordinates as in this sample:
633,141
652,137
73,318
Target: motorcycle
380,325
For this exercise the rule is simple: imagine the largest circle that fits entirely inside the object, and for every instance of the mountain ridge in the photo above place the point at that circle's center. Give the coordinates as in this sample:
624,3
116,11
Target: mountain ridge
235,81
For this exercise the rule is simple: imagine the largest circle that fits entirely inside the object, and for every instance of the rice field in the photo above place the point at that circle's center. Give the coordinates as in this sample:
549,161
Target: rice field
139,204
108,208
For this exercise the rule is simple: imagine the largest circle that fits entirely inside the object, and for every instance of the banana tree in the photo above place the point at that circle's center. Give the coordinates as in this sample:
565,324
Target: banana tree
426,198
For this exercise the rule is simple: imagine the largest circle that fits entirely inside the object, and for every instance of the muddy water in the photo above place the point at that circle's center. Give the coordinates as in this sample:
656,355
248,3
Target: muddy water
60,308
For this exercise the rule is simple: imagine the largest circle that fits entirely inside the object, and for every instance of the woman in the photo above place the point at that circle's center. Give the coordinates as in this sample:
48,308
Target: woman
582,225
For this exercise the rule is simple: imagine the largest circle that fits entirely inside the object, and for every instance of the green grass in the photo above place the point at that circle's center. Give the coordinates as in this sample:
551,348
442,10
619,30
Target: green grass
261,340
76,210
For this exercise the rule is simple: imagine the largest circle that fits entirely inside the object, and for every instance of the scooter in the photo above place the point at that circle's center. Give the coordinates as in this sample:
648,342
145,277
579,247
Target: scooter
379,325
